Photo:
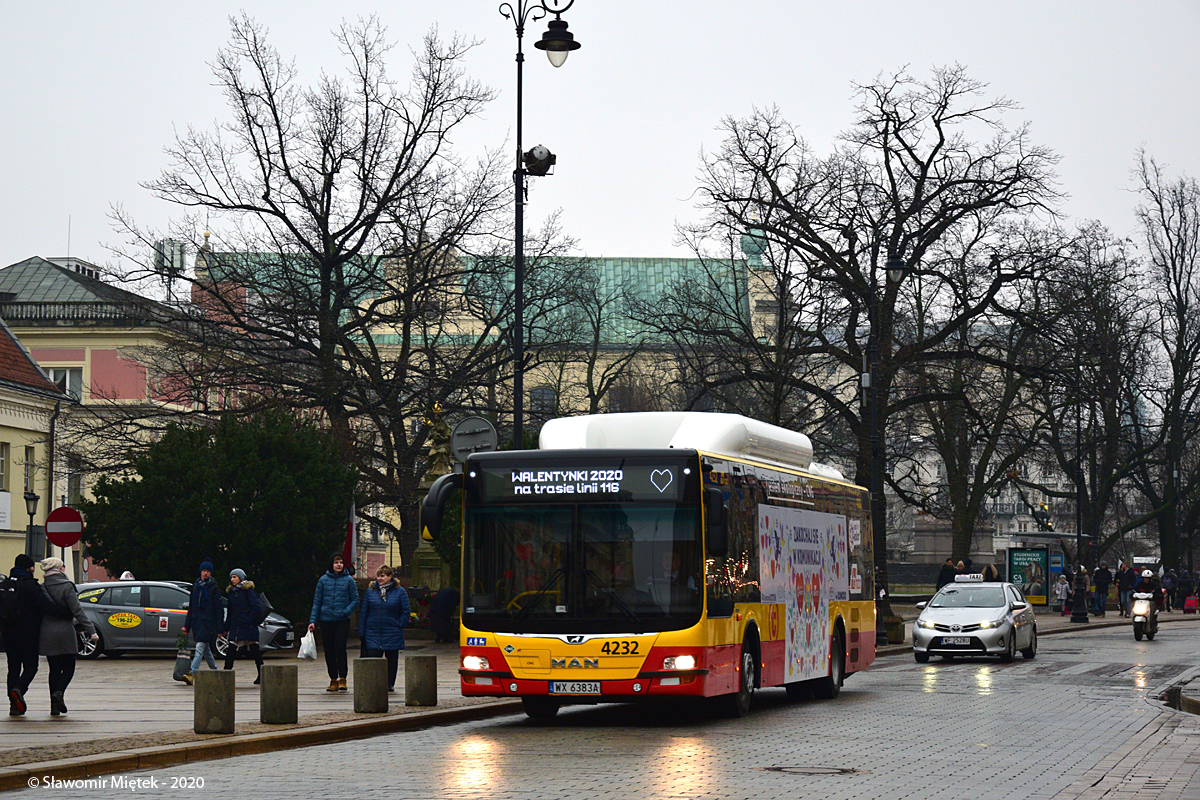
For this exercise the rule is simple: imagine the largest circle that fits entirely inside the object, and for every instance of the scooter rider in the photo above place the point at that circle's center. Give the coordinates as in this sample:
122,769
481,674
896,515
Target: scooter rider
1147,584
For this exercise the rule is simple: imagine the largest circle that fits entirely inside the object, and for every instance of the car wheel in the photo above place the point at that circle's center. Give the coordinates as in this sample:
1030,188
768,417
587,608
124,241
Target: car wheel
1010,650
922,658
738,703
1031,651
828,688
542,708
87,648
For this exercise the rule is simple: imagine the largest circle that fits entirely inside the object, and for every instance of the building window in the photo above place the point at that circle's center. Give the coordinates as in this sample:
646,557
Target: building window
30,459
68,380
543,402
74,480
4,466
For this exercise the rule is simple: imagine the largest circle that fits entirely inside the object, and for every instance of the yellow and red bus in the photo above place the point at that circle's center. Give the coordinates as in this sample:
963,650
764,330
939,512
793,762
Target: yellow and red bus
652,555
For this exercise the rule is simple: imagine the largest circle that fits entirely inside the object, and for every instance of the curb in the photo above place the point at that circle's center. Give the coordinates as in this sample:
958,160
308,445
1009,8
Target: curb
41,774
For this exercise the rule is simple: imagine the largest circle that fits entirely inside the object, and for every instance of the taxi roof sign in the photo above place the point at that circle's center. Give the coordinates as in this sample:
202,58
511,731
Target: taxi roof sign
974,577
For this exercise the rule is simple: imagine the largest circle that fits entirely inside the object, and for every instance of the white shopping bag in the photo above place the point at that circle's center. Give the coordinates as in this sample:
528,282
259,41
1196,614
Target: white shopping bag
308,647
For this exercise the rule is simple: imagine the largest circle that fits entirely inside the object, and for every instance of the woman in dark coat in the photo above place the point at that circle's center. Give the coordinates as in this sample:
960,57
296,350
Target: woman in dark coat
58,641
241,621
381,619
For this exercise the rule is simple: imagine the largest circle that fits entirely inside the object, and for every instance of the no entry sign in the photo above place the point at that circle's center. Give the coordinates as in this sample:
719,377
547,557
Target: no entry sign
64,526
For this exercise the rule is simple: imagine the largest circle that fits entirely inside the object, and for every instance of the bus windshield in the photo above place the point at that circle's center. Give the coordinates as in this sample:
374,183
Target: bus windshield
578,568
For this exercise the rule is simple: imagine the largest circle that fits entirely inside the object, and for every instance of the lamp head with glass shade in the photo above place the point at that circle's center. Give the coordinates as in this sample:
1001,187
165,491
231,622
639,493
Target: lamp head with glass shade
896,269
557,41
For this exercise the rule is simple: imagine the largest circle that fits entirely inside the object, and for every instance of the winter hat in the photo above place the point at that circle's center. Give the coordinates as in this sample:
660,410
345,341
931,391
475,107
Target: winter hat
23,562
241,573
206,564
53,564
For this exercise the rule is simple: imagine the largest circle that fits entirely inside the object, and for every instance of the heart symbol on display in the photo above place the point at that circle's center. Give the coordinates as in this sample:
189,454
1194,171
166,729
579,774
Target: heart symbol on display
661,478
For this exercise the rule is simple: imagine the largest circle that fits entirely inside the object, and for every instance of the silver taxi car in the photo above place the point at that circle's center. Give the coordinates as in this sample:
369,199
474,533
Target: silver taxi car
149,615
971,617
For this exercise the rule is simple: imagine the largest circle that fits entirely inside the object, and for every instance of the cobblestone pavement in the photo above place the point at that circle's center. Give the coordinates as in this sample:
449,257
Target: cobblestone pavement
1083,720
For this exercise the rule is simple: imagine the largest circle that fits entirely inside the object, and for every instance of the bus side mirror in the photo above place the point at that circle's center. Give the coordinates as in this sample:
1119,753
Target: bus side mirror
716,529
433,507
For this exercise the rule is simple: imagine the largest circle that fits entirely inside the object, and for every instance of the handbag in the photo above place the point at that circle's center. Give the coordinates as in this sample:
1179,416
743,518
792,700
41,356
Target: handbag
308,647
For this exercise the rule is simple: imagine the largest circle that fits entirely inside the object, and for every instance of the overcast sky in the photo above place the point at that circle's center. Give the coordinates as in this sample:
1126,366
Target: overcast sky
93,91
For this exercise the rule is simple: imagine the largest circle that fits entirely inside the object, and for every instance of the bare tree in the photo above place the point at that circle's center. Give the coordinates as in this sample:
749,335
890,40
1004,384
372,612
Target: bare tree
356,270
929,175
1169,214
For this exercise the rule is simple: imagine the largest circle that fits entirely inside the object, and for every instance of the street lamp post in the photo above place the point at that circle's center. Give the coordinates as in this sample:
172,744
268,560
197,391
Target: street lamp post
31,503
1079,604
557,42
896,268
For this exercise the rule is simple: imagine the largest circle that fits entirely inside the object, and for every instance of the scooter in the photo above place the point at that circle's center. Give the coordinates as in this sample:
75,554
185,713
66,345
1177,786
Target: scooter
1145,616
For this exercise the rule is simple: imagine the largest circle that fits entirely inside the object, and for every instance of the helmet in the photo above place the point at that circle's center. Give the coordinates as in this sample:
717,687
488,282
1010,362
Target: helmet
1146,574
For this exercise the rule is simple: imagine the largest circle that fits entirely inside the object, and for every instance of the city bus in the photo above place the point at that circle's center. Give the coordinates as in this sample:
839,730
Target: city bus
654,555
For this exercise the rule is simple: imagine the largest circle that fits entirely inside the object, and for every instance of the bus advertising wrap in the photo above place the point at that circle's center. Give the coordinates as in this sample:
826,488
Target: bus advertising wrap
802,556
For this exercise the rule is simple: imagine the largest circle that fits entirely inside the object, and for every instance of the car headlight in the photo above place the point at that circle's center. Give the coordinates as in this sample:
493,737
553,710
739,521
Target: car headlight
995,623
679,662
475,662
925,623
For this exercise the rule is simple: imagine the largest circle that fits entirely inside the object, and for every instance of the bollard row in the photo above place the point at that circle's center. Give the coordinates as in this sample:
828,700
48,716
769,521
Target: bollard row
213,703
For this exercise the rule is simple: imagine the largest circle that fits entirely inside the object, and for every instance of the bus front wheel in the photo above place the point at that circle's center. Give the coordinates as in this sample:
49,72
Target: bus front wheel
738,703
539,707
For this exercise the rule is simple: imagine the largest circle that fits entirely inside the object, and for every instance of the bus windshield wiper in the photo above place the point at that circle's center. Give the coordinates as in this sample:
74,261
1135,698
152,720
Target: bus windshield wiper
611,595
537,598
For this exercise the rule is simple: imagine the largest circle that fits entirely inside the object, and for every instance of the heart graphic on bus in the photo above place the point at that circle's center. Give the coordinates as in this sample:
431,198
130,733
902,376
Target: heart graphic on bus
661,478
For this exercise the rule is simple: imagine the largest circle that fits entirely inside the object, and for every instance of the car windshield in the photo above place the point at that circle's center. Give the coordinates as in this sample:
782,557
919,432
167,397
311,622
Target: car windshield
968,597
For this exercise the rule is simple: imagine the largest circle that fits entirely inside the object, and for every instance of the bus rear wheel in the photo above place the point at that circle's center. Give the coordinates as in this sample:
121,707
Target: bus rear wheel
828,688
539,707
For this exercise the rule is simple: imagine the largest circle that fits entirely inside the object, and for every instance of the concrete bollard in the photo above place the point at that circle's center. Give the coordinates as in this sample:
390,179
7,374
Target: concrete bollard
278,703
370,685
420,680
212,708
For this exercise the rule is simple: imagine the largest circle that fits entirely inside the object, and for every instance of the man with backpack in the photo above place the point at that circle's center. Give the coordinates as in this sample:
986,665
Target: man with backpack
23,602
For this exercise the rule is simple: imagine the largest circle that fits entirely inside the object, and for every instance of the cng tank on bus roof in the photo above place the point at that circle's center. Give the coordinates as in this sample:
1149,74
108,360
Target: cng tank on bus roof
720,434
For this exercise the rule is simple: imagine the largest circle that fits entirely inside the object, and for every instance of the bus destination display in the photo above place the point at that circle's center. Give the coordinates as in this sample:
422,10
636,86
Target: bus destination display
560,482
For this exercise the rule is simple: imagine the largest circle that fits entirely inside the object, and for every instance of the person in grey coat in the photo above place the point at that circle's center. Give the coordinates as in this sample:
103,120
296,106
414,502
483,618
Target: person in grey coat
58,641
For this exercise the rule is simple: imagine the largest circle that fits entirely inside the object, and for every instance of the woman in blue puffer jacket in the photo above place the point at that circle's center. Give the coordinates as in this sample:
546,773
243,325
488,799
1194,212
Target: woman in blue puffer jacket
335,600
385,612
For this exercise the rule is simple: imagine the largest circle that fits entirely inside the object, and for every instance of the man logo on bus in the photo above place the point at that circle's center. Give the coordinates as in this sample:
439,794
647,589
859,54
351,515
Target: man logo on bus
661,478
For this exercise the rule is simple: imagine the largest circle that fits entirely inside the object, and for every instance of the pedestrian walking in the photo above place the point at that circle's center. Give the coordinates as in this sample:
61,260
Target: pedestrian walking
21,614
1184,587
205,617
1170,585
334,601
1125,583
1062,593
441,614
990,573
946,573
1102,578
58,640
241,621
381,620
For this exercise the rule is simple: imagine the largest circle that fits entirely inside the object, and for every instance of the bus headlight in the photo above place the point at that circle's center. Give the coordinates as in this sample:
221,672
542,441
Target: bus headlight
474,662
679,662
